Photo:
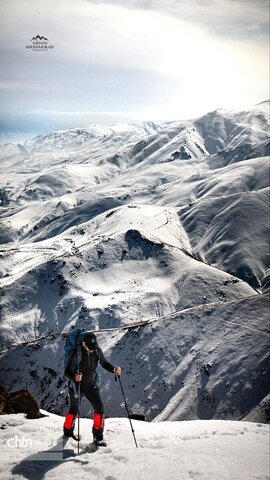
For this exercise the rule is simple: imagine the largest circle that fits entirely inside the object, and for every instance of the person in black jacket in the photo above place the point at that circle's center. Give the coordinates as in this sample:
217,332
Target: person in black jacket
87,377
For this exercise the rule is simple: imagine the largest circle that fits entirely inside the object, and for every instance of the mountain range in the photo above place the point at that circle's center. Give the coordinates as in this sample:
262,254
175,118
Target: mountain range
155,236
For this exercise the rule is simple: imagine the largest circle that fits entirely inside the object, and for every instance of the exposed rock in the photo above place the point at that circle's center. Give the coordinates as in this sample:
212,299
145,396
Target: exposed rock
261,413
137,416
3,399
21,401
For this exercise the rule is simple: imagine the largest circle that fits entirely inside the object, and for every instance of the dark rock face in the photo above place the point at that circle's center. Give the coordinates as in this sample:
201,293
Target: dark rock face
260,413
3,399
136,416
18,402
138,244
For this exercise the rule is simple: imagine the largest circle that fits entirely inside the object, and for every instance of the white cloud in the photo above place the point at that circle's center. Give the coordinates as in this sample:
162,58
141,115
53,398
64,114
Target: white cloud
212,70
234,14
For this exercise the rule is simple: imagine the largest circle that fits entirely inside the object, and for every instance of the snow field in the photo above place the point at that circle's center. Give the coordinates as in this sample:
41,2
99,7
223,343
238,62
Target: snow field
209,450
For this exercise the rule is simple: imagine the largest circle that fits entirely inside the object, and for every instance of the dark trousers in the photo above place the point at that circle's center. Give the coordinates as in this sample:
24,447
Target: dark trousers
93,395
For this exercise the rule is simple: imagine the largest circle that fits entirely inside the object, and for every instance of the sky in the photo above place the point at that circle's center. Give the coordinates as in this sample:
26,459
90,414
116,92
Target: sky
129,60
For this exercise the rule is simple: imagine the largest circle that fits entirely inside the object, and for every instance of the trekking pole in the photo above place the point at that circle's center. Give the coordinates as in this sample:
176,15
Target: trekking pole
78,407
118,376
79,395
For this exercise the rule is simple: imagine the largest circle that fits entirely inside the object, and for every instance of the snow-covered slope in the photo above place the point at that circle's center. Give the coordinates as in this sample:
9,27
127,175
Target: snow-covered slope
207,361
228,223
109,225
170,450
133,262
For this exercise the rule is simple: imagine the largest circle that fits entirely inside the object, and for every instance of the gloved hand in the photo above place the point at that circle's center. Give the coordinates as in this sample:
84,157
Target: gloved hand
117,370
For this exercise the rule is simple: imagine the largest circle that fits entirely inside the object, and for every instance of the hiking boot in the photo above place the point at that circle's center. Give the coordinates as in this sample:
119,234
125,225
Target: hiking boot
99,442
69,432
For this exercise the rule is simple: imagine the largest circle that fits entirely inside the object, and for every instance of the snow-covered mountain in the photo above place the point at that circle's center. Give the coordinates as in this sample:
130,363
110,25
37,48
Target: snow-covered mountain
160,223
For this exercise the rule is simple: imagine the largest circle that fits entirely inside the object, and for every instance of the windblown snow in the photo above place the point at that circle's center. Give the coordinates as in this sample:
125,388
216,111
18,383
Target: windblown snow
155,235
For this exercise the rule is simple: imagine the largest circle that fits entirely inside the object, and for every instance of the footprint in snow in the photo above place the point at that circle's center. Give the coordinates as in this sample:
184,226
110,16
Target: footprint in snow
89,469
153,446
91,448
120,458
194,474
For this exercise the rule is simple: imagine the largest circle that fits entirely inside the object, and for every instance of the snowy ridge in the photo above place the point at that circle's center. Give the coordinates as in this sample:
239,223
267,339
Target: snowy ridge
80,263
108,227
130,326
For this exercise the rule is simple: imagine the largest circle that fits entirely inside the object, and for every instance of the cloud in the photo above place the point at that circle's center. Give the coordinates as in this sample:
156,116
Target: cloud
222,16
168,59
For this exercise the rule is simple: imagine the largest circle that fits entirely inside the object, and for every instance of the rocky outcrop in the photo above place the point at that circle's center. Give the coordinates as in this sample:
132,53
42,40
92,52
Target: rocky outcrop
21,401
261,413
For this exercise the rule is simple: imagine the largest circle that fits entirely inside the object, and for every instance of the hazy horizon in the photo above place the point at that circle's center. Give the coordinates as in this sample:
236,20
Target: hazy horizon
124,61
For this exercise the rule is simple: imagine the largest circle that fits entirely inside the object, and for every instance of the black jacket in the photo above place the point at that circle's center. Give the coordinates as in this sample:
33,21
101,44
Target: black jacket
88,367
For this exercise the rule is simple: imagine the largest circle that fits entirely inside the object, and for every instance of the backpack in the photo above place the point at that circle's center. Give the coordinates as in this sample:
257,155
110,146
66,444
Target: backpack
73,340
